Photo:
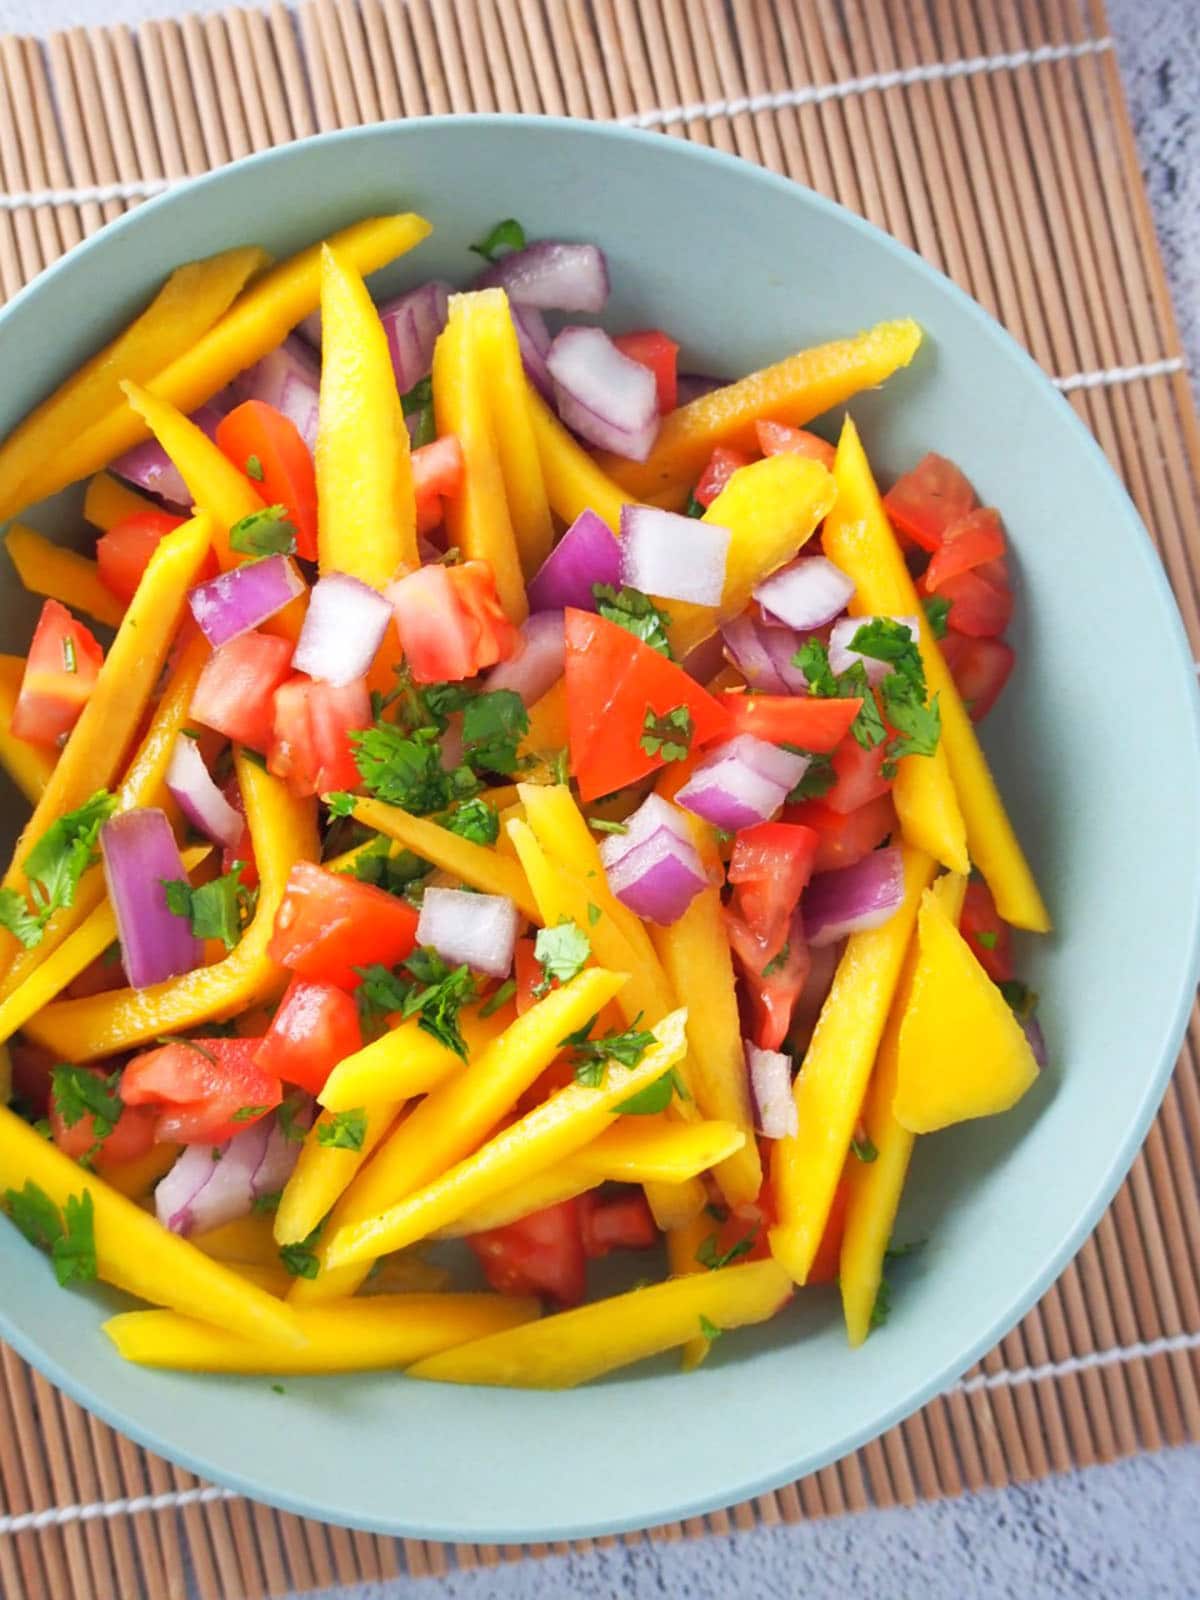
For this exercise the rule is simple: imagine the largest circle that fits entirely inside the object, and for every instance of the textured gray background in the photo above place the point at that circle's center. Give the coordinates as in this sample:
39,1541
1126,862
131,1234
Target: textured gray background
1125,1532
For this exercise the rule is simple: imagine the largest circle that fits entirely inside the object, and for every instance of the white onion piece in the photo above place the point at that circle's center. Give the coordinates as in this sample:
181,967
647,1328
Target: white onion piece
660,878
653,816
539,665
201,1192
677,558
771,1091
853,899
474,930
289,379
412,323
841,657
198,797
551,276
605,397
342,631
744,646
806,593
783,767
533,341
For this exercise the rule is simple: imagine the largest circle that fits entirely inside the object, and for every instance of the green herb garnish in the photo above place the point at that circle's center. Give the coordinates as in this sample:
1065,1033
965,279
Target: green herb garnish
561,953
69,1236
501,997
77,1093
216,910
254,468
668,736
636,613
937,609
505,236
345,1130
708,1255
709,1330
264,533
54,867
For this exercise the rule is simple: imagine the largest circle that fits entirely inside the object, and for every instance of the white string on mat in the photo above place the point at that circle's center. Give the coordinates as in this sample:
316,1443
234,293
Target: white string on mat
56,1516
1140,369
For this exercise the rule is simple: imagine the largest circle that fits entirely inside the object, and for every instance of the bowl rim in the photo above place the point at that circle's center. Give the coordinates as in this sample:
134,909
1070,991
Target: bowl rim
1169,1033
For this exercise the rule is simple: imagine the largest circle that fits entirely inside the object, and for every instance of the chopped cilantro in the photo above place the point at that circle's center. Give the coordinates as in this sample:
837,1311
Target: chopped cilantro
385,868
33,1211
249,1113
591,1056
69,1236
868,726
380,992
493,726
561,952
216,910
418,403
264,1204
889,640
254,468
437,996
54,867
710,1256
345,1130
654,1097
70,663
813,660
418,397
594,914
291,1109
301,1259
818,779
406,770
277,1388
264,533
16,916
501,997
937,609
476,820
497,241
779,960
864,1148
340,803
709,1330
668,736
636,613
77,1093
987,937
918,726
602,825
882,1309
1020,997
694,507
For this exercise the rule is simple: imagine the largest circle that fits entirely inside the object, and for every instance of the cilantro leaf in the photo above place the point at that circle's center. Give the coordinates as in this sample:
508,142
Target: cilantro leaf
438,998
385,868
345,1130
591,1056
709,1330
301,1259
254,468
64,853
710,1256
33,1211
882,1309
561,952
288,1117
937,609
817,780
987,937
501,997
864,1148
16,916
868,726
418,404
249,1113
264,1204
918,726
654,1097
602,825
889,640
813,660
594,914
380,992
74,1254
1020,998
405,770
418,397
339,803
78,1093
779,960
493,726
477,820
264,533
636,613
216,910
694,507
668,736
505,236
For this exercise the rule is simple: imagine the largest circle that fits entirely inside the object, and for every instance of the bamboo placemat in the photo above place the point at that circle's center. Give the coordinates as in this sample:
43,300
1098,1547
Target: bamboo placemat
992,136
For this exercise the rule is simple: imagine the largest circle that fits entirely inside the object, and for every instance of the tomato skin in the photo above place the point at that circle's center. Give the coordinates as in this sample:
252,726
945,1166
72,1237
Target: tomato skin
975,539
528,974
860,776
328,924
980,917
978,608
60,672
200,1089
980,669
777,438
722,465
451,622
288,477
827,1261
315,1027
538,1254
652,348
624,1223
929,500
310,740
132,1134
437,470
123,553
770,995
770,866
235,693
807,721
844,838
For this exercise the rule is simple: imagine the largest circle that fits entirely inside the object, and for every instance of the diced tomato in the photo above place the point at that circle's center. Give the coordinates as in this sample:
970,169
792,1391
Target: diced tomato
826,1262
315,1027
123,553
860,776
744,1230
978,608
772,978
132,1134
329,924
528,973
60,673
256,434
722,465
451,622
614,682
243,850
539,1254
652,348
624,1223
100,976
823,965
980,669
988,935
236,690
310,745
929,500
31,1075
806,721
207,1090
770,866
437,470
776,438
844,837
977,538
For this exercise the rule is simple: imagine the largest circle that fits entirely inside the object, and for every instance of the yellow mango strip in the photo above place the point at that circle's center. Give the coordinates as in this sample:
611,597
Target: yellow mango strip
682,1245
874,1187
324,1171
28,765
475,864
276,1280
108,501
806,1166
570,1348
245,1240
938,1082
258,321
858,535
866,549
142,785
51,569
405,1062
574,483
547,731
563,1181
794,390
363,1336
454,1119
367,522
136,1253
552,1131
77,952
695,956
193,298
771,508
409,1274
508,399
477,517
283,830
136,1179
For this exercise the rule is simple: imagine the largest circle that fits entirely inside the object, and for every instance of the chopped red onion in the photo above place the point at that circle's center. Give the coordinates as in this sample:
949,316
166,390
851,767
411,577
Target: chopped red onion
588,553
551,276
539,665
288,378
746,649
677,558
806,593
412,324
533,341
1037,1040
853,899
706,659
654,815
605,397
742,782
281,1153
239,600
474,930
150,467
211,1185
775,1113
140,855
690,386
842,657
198,797
343,629
659,878
783,767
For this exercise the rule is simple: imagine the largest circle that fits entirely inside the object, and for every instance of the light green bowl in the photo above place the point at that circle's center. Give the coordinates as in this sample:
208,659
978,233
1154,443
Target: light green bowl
1095,744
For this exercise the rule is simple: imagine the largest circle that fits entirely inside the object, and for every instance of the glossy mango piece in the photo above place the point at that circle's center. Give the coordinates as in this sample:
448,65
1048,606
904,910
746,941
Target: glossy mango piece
325,1171
28,765
406,1061
51,569
479,865
682,1245
108,501
574,483
508,399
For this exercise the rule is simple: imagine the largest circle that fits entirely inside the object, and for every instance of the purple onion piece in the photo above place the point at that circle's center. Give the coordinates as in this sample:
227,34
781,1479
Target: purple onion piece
196,793
587,554
149,467
288,378
551,276
677,558
239,600
140,855
538,666
853,899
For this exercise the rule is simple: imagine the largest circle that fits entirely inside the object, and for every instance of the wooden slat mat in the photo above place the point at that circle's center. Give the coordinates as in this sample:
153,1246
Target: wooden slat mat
992,136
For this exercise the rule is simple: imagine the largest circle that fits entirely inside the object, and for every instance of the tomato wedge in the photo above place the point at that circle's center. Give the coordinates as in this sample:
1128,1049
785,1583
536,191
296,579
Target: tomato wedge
978,538
652,348
329,925
805,721
776,438
60,673
989,936
315,1027
980,669
123,553
310,742
236,691
131,1136
859,776
269,448
770,865
926,502
207,1089
978,607
722,465
844,837
451,622
623,1223
437,475
539,1254
773,976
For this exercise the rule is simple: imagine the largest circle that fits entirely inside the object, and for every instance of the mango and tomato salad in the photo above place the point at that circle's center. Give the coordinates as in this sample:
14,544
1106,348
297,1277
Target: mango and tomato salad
487,785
